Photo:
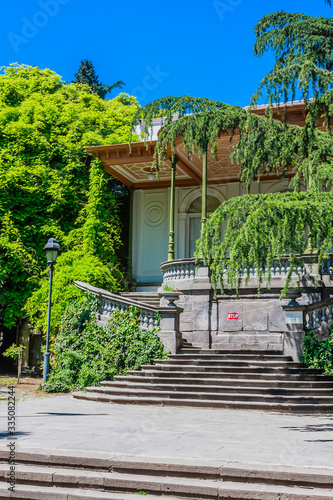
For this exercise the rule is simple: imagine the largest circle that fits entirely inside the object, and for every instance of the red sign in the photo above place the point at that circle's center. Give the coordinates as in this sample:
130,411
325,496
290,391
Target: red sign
233,316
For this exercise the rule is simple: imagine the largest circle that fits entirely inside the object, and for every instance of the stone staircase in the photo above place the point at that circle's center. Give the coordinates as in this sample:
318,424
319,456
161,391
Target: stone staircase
76,475
259,380
149,298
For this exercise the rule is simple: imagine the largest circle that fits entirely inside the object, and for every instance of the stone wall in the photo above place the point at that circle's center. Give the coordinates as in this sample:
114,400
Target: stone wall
258,323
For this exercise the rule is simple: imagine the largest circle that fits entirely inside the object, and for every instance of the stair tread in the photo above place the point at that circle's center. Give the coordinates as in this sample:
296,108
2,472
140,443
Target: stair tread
203,402
211,381
180,393
192,386
190,373
50,493
161,483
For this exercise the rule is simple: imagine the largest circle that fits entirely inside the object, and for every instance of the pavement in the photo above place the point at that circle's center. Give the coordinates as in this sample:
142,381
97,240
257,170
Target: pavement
64,423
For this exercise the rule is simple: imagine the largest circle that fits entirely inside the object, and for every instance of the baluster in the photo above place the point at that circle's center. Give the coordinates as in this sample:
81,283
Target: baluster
251,271
108,308
283,269
317,318
330,315
156,322
187,272
182,272
151,320
310,321
178,273
323,316
277,270
192,271
145,319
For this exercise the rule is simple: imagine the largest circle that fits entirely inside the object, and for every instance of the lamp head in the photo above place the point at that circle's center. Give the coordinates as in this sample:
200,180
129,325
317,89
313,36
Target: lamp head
52,248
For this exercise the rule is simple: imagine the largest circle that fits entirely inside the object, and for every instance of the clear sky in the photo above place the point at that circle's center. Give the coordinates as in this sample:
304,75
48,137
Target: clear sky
157,48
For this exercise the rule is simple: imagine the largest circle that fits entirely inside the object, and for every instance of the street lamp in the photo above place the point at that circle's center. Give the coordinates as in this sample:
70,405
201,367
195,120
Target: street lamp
51,248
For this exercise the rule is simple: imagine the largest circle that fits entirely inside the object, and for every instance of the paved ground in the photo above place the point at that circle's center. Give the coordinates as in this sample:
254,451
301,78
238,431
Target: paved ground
62,422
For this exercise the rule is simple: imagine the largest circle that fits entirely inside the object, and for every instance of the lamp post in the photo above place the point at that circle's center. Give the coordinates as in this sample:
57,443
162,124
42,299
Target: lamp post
51,248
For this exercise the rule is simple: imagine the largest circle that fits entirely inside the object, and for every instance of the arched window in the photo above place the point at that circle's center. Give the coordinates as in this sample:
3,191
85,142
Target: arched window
194,220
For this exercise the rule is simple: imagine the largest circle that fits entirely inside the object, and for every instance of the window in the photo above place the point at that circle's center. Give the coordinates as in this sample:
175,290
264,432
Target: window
194,220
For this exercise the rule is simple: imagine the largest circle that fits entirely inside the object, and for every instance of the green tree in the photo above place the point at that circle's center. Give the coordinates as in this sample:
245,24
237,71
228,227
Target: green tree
50,186
87,75
263,228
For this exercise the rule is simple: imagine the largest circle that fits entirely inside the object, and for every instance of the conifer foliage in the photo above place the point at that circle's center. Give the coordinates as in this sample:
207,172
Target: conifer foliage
87,75
264,228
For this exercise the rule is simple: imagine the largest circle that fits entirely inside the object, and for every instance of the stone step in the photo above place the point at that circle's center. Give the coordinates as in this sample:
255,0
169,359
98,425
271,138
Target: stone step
151,391
231,374
111,481
206,403
172,467
236,357
241,352
228,362
230,368
253,389
221,491
28,492
150,298
71,475
242,382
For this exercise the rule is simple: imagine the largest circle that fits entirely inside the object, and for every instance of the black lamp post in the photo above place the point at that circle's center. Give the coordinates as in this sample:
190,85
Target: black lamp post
52,248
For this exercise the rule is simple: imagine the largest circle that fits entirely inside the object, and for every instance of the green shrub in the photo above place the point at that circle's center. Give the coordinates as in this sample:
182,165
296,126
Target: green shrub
84,353
318,354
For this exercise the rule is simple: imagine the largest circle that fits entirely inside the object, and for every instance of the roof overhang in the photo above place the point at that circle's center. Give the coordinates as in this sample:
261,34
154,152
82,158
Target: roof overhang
133,165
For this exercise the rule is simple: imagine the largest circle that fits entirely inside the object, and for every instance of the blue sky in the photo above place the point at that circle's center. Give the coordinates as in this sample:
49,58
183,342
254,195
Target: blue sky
200,48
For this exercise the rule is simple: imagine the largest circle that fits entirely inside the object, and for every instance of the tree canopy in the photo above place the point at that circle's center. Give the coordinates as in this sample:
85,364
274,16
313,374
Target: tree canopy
50,186
87,75
261,228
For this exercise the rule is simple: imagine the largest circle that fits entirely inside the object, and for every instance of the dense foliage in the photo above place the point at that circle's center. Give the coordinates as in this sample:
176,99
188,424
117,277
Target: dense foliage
50,186
86,74
318,354
84,353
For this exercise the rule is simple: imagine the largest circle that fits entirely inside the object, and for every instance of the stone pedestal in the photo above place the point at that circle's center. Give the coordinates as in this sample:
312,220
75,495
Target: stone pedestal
292,344
169,324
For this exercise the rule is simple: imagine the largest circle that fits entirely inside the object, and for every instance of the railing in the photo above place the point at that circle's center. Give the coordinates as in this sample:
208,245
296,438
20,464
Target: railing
111,302
179,270
278,270
326,268
319,314
185,269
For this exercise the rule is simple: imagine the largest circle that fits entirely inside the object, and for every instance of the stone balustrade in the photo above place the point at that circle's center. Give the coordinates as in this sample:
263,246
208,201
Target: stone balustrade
164,317
318,315
185,269
110,302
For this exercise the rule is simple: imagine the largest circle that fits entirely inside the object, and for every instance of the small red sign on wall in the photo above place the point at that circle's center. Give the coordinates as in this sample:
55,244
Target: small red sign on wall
233,316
